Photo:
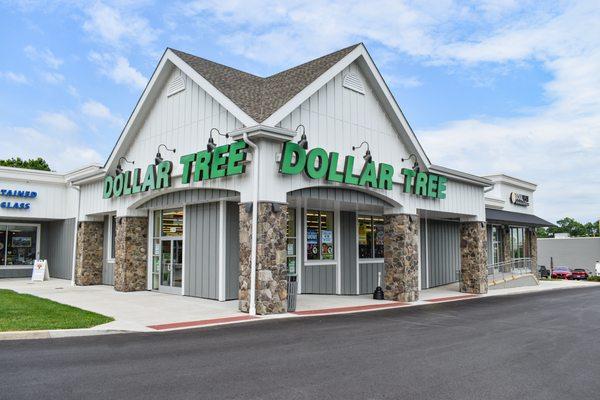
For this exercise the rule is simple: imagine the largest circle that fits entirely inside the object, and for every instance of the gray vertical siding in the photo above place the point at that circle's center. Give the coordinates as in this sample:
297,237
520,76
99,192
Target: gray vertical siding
443,252
108,268
232,252
348,251
57,241
489,244
202,250
318,279
368,276
189,196
338,195
423,249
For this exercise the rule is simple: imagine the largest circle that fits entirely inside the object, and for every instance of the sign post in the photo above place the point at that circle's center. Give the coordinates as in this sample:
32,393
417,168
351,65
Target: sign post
40,271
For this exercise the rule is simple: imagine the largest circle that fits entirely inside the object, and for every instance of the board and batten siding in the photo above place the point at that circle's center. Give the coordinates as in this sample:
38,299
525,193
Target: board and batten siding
339,195
232,251
108,264
348,251
57,241
201,257
337,118
440,253
369,275
318,279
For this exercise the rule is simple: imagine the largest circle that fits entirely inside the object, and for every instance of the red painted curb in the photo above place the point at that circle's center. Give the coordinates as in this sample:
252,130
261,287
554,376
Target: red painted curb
347,309
204,322
438,299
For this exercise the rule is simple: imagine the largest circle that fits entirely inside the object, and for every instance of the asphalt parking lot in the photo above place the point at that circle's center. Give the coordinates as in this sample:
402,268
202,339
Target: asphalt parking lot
534,346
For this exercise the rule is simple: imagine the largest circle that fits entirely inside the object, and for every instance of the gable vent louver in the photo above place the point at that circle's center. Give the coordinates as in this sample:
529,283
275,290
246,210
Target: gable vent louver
353,82
176,85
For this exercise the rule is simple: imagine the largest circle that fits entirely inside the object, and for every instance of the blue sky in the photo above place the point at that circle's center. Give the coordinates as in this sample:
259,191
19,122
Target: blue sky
488,86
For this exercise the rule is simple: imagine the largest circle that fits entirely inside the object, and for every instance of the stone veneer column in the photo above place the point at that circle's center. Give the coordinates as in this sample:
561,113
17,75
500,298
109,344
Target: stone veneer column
532,238
506,254
271,268
473,257
131,254
88,264
401,257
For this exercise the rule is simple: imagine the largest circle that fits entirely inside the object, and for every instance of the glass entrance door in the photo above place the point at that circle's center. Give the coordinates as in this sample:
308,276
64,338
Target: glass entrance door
171,265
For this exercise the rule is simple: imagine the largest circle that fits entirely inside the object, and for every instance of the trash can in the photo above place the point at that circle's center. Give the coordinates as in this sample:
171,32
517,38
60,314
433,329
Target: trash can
292,291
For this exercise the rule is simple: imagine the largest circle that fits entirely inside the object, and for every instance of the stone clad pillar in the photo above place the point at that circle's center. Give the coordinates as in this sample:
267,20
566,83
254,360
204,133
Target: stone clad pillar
131,254
271,256
532,239
506,254
401,257
473,257
88,264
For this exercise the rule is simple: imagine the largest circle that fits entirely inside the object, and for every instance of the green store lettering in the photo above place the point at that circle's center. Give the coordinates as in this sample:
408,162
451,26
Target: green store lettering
318,164
226,160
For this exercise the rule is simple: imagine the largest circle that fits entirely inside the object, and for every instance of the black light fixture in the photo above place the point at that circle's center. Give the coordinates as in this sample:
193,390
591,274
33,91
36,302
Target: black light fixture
210,146
119,169
158,159
367,157
303,142
415,166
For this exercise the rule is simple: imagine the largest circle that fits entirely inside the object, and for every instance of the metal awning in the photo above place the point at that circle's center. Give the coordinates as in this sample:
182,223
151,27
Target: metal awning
510,217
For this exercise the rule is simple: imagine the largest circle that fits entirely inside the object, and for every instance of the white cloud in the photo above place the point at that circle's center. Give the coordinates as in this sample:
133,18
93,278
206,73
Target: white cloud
14,77
63,152
53,122
402,81
52,78
95,109
119,70
117,27
46,56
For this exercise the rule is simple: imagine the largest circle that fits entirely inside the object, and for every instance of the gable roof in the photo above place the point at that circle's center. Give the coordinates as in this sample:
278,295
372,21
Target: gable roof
260,97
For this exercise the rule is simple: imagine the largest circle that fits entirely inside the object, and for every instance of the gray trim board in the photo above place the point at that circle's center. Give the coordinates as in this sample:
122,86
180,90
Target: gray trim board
202,250
108,268
232,251
339,195
188,196
348,248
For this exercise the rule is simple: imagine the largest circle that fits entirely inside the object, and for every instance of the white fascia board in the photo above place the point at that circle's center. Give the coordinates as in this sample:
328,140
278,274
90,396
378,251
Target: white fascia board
374,75
30,175
168,60
262,131
83,173
461,176
491,202
511,180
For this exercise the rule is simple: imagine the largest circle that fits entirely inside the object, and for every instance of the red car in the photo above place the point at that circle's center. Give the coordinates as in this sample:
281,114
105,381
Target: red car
561,273
579,273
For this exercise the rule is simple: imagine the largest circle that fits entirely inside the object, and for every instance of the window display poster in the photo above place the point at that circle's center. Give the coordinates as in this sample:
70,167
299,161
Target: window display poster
312,236
327,244
21,241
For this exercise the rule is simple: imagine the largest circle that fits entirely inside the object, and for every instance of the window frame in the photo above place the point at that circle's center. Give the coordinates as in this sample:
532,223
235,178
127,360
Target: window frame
320,260
373,258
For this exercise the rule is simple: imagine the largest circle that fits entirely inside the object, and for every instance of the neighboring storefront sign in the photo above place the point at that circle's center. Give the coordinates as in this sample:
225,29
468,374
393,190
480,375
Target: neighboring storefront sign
318,164
226,160
18,194
519,199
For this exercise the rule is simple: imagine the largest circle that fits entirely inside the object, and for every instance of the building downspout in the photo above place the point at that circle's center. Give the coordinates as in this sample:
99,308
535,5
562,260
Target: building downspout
489,189
74,263
255,158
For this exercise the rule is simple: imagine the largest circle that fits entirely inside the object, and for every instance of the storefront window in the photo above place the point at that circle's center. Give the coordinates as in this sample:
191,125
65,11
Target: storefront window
319,235
291,242
496,244
21,245
370,237
167,248
517,242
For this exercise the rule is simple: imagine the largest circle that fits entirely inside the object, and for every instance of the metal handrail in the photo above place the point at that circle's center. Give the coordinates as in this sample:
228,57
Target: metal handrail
510,269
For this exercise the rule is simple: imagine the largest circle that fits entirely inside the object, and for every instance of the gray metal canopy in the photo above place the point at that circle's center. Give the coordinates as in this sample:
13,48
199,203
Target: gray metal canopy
510,217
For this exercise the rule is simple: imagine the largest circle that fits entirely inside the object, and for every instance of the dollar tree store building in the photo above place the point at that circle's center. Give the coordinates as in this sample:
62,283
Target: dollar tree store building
223,183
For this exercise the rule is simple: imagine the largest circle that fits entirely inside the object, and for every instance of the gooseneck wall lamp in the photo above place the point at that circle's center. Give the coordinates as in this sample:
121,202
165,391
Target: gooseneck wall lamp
210,146
415,166
119,169
158,159
303,142
367,157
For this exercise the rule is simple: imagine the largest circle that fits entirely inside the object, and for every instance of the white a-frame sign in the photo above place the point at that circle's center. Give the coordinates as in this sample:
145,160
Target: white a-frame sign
40,271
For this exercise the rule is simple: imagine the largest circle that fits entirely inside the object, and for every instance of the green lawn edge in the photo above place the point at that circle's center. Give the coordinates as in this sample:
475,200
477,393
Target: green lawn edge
25,312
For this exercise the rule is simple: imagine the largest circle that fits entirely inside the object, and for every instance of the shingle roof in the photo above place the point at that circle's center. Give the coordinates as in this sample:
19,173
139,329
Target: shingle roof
260,97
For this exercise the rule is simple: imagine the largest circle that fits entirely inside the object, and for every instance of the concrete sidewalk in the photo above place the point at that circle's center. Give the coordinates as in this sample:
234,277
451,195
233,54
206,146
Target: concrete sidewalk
151,311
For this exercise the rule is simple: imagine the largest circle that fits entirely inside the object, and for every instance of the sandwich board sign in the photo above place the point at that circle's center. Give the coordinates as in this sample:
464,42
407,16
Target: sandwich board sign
40,271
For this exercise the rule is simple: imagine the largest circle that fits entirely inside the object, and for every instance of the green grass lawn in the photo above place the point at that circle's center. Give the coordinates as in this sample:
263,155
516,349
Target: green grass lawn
24,312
